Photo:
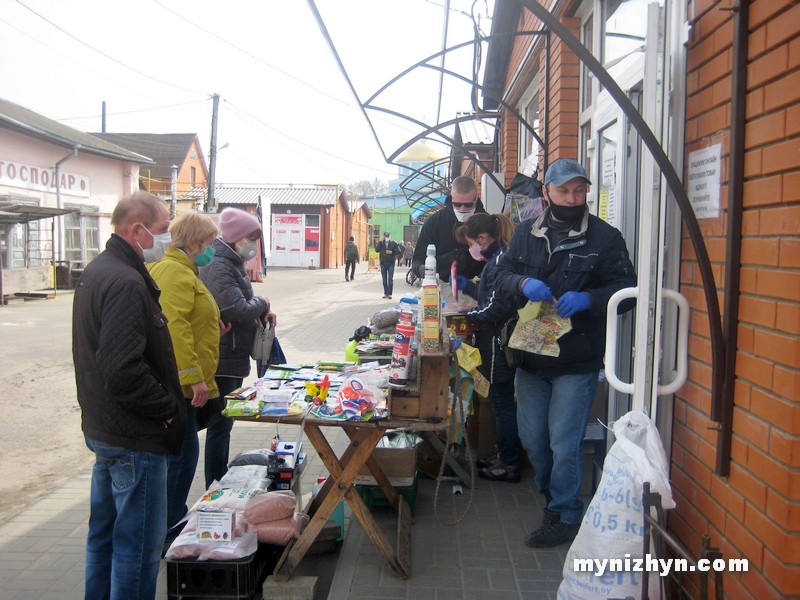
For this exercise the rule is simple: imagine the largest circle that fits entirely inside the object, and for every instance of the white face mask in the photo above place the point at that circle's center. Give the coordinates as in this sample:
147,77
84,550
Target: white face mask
475,251
160,244
463,215
248,251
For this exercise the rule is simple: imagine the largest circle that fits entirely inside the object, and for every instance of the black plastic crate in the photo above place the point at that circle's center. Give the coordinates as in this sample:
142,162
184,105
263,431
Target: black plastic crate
239,579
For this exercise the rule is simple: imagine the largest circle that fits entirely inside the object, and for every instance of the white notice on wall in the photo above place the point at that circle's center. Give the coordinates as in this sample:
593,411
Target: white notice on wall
704,176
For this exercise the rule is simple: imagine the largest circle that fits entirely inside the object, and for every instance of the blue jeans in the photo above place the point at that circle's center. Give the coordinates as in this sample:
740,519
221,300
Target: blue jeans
387,275
218,436
127,523
552,413
181,469
501,399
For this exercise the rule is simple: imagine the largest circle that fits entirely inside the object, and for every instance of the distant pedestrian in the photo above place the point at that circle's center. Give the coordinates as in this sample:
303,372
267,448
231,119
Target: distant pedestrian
387,249
408,253
132,410
400,251
227,281
351,257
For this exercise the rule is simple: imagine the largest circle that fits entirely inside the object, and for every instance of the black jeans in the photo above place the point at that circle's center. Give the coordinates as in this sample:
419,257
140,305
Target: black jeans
349,267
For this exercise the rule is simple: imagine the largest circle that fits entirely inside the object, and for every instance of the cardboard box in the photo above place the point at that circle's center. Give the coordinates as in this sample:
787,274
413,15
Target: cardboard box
399,465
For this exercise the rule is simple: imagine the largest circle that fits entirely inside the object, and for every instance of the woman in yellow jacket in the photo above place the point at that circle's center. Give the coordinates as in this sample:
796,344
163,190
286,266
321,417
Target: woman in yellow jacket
193,321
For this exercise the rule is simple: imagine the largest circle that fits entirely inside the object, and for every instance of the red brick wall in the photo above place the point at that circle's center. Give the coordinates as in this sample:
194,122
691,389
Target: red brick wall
562,122
755,512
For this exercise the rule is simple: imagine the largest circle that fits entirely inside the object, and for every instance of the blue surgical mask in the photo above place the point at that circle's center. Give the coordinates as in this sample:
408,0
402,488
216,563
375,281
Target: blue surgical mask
160,243
202,259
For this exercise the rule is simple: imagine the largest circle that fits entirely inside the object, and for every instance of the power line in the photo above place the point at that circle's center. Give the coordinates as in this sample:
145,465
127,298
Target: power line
253,56
139,110
111,58
271,128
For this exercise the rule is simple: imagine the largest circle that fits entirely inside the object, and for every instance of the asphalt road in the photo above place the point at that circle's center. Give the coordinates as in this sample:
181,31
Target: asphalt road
42,444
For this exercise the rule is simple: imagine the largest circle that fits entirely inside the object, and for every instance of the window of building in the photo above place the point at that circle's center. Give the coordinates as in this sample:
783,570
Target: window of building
193,177
529,147
81,234
624,33
587,39
312,220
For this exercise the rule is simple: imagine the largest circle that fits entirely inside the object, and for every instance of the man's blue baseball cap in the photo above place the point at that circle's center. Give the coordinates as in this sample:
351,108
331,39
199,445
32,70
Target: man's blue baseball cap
564,170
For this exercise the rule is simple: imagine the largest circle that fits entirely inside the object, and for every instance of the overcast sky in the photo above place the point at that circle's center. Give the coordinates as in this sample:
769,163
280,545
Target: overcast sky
286,111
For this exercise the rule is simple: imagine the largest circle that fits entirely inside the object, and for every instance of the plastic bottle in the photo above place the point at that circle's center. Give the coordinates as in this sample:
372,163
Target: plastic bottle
350,351
430,265
318,486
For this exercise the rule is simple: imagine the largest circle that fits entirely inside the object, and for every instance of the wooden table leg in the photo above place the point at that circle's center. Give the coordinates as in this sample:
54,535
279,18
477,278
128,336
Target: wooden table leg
459,469
343,473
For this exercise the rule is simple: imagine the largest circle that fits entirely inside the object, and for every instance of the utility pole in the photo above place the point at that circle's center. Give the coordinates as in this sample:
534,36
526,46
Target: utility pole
211,206
174,192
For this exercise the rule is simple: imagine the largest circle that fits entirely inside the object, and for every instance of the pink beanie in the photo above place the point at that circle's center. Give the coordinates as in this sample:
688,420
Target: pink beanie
237,224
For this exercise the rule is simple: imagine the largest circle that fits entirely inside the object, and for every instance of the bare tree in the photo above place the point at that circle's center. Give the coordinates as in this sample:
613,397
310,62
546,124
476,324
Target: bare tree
366,187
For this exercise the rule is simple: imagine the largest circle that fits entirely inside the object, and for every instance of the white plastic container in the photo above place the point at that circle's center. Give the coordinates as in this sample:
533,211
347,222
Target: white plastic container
430,265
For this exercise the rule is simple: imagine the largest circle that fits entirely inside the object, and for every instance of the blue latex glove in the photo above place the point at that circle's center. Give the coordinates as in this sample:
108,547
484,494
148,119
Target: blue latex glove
461,282
572,302
536,291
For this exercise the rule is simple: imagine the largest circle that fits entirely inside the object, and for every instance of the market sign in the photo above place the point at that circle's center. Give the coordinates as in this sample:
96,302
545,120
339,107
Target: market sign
42,179
703,178
287,219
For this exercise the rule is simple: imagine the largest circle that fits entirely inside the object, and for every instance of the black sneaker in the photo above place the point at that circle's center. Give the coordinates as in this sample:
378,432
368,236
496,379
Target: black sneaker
500,472
553,533
487,462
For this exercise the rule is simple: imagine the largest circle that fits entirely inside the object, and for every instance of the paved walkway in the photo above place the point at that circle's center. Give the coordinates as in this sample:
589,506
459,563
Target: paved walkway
42,547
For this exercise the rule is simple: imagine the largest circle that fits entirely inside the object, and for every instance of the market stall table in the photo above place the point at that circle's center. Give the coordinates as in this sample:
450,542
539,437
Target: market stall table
364,437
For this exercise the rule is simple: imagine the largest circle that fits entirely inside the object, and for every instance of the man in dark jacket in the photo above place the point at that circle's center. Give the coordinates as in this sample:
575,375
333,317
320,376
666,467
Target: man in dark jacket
439,230
387,250
574,259
351,257
132,409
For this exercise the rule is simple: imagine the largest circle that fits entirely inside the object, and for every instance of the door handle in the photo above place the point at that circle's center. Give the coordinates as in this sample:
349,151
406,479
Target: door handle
682,366
611,339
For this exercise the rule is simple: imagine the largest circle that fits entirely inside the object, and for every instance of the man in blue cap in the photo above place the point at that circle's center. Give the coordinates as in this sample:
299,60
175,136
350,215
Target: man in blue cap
577,261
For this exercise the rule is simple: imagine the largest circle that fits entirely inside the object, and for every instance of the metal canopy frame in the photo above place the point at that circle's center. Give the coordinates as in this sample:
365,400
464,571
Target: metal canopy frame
431,186
435,132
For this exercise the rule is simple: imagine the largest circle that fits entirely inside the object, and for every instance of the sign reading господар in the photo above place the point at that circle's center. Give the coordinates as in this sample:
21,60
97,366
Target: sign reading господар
703,178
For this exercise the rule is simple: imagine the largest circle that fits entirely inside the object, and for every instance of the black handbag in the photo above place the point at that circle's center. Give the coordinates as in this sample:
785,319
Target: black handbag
210,412
514,357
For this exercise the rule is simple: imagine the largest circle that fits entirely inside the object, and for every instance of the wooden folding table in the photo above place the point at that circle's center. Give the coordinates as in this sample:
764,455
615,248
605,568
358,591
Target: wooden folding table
364,437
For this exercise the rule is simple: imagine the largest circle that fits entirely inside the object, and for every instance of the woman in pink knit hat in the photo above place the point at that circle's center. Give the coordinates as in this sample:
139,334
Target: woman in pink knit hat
228,282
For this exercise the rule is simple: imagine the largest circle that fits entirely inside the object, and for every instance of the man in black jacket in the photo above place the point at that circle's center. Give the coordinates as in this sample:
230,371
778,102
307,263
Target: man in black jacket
387,249
569,257
132,409
439,230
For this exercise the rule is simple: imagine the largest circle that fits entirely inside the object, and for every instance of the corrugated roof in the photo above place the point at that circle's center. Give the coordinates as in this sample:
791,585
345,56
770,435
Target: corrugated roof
477,132
316,195
166,149
18,118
